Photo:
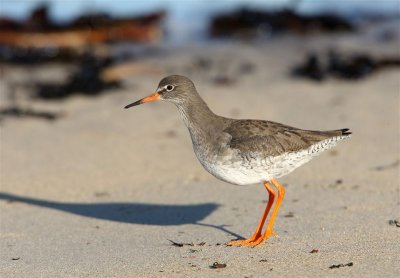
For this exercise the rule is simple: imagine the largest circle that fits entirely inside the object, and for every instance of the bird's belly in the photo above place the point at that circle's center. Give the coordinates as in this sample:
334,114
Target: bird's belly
236,169
245,172
238,175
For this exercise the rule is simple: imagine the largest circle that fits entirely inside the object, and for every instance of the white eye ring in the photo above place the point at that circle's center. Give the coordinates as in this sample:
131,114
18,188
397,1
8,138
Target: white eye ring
169,88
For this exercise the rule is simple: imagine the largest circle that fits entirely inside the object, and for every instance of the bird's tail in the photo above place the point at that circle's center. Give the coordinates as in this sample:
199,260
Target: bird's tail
314,136
344,131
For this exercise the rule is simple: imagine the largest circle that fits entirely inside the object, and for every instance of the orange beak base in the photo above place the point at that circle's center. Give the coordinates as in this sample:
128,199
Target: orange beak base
153,97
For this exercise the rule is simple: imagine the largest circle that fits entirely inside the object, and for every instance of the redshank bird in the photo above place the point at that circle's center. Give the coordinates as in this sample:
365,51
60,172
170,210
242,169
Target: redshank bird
244,152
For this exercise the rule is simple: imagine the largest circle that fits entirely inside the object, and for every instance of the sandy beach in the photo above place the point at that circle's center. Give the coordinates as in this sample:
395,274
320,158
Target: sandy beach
102,191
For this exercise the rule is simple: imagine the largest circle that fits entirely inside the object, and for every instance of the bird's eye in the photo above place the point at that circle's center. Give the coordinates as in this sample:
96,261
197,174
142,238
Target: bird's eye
170,88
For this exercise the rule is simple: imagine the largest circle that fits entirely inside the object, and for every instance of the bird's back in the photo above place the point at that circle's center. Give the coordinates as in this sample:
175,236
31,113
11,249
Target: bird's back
273,139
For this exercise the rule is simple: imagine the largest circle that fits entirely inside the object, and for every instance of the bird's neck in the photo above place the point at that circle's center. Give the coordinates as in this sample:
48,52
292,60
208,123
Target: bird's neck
199,119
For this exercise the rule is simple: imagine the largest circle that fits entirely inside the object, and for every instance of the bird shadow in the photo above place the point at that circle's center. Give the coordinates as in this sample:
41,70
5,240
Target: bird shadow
132,213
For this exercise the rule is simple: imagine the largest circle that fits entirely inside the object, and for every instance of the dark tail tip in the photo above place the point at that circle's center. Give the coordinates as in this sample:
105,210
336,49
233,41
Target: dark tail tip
345,131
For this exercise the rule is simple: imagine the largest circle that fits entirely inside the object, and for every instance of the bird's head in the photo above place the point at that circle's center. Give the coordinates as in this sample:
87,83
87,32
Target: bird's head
173,88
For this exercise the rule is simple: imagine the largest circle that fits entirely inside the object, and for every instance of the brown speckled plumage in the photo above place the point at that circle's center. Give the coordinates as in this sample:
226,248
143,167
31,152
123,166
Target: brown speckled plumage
273,139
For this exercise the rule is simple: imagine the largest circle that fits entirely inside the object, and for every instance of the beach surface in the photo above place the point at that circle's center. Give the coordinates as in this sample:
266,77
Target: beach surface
102,191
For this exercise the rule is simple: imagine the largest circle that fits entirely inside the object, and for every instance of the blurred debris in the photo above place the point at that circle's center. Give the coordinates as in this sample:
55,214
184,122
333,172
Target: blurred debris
18,112
249,23
39,31
94,71
93,76
395,222
357,66
317,67
310,68
223,80
289,215
25,56
387,166
202,63
32,56
314,251
220,71
86,80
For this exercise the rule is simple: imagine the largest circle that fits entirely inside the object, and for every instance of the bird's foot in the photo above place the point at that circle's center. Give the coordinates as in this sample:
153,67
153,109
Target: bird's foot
252,241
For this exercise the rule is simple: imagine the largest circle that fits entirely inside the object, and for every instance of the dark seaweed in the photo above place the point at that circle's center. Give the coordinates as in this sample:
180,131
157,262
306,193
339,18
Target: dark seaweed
86,80
18,112
353,67
254,22
31,56
340,265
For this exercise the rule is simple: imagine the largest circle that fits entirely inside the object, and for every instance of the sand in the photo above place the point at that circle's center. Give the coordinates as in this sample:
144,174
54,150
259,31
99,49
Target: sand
101,191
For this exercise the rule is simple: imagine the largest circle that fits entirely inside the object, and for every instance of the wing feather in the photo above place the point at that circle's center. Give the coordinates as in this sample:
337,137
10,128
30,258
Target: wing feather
271,139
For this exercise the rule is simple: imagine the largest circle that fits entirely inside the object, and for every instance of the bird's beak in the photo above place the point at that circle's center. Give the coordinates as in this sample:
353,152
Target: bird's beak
153,97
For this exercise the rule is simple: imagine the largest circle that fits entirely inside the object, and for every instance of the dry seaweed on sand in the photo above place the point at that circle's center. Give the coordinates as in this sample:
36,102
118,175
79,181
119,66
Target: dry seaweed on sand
31,56
320,66
87,80
18,112
39,31
250,23
93,76
181,244
340,265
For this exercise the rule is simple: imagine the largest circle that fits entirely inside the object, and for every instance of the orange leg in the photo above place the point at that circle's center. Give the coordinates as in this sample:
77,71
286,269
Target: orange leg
257,234
269,230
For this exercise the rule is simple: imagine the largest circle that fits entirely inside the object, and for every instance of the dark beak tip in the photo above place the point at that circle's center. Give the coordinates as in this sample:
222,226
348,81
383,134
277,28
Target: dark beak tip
133,104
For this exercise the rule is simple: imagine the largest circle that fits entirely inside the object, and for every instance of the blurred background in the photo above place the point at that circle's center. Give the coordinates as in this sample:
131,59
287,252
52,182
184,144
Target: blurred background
77,169
99,45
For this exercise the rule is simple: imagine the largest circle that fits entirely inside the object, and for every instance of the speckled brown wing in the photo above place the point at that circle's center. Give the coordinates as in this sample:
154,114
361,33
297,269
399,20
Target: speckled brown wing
272,139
